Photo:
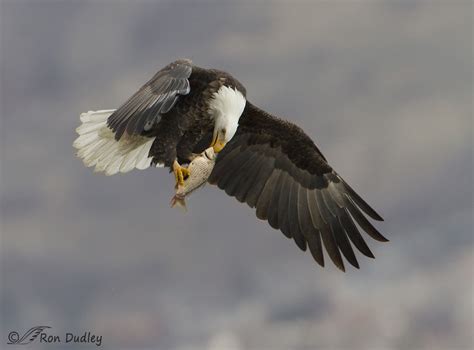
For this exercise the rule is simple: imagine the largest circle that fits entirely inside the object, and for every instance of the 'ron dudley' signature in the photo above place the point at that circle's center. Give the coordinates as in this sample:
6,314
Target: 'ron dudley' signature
40,334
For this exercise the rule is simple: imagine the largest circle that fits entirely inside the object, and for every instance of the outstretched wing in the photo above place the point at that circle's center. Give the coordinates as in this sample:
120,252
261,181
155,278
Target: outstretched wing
273,166
144,109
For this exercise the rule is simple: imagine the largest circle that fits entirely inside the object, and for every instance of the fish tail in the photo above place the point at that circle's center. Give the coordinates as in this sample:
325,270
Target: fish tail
178,201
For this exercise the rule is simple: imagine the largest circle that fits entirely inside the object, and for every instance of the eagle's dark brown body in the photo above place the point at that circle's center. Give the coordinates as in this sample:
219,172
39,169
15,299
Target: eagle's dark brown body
195,126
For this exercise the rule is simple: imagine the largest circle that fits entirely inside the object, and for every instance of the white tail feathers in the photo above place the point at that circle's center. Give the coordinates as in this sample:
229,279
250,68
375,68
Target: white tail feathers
97,146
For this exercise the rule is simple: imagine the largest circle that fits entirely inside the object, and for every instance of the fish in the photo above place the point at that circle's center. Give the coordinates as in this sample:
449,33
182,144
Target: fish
200,169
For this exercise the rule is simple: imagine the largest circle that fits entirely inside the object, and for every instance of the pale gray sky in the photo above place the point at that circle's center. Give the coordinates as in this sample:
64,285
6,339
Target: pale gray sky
383,87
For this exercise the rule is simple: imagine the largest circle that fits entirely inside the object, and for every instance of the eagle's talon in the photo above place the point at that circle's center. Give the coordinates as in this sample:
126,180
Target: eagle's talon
180,173
185,172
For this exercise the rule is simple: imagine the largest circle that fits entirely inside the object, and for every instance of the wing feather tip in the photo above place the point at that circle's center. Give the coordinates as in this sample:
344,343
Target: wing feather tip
382,238
355,264
320,263
340,267
377,217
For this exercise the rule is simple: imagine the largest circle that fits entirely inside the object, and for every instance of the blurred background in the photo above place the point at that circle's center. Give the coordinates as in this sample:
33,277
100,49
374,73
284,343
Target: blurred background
383,87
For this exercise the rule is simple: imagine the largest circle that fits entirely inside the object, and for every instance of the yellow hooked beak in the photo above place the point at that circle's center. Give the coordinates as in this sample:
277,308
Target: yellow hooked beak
218,141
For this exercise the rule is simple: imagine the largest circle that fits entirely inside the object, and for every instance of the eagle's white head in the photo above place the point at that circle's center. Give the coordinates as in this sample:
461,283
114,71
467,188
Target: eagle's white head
226,107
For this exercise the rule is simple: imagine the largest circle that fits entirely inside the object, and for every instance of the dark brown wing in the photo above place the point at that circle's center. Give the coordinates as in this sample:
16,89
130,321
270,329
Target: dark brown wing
273,166
143,110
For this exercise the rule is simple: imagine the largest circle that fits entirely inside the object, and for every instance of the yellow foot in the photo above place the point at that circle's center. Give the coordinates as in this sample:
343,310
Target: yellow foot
180,173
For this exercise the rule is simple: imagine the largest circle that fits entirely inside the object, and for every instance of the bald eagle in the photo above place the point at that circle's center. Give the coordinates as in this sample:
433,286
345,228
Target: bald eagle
264,161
